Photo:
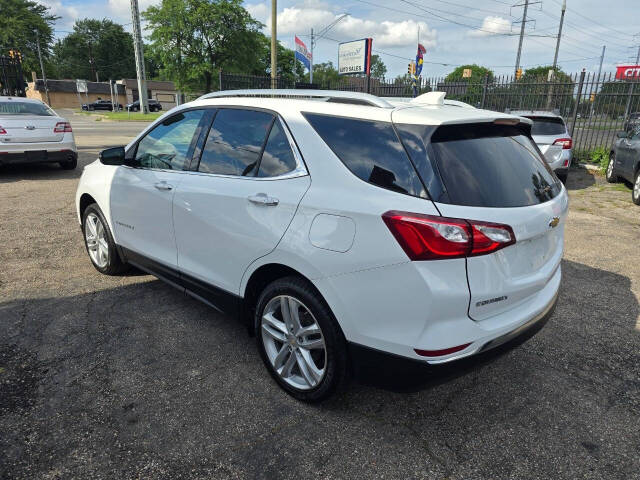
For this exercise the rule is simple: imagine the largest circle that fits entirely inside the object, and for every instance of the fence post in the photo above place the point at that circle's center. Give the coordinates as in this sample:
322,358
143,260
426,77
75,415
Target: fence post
219,79
484,89
575,108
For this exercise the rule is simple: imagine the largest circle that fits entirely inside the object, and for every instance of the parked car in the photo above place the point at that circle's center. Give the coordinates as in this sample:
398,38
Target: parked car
552,137
154,106
634,121
624,161
31,132
99,105
330,230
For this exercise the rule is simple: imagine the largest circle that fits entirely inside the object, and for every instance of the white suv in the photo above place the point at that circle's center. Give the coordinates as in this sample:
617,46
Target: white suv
337,225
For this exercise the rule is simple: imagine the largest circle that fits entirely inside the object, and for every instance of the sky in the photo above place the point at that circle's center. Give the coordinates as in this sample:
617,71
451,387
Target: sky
454,32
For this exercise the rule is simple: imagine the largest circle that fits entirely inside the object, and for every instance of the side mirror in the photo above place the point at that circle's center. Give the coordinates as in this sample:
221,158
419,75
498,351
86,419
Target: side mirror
112,156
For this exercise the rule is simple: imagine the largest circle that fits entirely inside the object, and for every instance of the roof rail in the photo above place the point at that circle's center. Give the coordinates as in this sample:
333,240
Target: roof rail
335,96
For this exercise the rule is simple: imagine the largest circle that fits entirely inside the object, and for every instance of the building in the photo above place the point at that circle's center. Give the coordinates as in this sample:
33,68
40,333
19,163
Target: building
63,93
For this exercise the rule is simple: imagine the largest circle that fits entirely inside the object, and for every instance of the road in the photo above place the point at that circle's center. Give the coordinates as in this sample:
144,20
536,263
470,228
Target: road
125,377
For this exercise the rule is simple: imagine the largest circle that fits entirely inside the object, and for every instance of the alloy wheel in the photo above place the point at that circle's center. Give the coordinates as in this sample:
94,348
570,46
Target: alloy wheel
636,187
96,239
610,166
293,342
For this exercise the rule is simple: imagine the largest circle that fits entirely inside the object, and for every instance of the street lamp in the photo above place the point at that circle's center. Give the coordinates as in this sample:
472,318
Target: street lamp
321,34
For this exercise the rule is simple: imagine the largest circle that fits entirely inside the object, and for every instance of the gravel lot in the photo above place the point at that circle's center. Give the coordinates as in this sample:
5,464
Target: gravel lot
124,377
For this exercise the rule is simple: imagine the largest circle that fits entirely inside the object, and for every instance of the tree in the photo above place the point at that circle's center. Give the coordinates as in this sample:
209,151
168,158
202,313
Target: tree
324,74
477,74
288,71
193,39
19,22
613,96
95,50
378,68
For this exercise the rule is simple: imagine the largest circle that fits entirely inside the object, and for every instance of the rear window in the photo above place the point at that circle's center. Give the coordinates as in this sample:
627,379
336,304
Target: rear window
25,108
487,165
371,150
547,126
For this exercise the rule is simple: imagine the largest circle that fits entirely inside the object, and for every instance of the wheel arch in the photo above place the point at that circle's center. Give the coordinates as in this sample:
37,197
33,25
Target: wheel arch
85,200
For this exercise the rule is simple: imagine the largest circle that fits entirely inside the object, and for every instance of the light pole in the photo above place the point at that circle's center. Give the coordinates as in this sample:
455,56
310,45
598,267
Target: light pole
555,56
274,44
137,44
522,25
321,34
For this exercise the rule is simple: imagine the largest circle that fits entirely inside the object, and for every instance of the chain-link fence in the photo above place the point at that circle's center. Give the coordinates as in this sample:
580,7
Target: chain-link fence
594,106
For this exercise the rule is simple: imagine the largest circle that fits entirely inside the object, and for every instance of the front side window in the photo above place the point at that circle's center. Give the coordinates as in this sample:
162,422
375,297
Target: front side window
235,142
169,145
371,150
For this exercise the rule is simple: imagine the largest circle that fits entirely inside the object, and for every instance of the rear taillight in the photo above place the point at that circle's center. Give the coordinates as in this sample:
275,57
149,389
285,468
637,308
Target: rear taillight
565,142
2,131
429,237
62,127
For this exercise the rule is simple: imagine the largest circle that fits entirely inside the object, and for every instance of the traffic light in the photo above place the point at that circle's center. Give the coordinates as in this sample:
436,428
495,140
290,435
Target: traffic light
592,98
411,68
518,74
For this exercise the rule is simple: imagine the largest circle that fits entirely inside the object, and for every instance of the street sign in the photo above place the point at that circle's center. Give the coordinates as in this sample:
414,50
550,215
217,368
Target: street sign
81,86
466,73
355,56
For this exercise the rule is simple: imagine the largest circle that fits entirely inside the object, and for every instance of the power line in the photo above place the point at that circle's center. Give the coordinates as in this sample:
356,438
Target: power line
597,23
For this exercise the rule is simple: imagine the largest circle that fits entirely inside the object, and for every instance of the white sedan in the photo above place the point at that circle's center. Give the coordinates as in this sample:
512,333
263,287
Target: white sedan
31,132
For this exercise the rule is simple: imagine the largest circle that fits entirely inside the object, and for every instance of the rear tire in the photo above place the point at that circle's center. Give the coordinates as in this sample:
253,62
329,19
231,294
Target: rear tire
99,242
309,366
611,169
635,193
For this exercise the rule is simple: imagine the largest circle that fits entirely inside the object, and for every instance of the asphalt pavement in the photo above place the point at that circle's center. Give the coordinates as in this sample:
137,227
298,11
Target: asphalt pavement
127,378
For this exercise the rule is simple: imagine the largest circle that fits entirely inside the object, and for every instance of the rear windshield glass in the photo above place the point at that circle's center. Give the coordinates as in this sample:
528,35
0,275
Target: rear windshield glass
547,126
25,108
487,165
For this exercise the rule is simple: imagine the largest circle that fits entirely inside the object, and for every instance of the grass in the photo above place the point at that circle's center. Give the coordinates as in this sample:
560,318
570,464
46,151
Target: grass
124,116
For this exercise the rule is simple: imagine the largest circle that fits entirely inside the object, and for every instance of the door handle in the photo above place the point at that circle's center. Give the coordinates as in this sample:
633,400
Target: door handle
163,186
263,199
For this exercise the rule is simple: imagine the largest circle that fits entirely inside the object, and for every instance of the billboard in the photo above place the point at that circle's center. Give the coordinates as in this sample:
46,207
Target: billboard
355,56
628,72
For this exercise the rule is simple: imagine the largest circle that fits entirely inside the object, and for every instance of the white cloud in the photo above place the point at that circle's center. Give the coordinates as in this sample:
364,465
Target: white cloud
492,26
317,15
68,14
121,9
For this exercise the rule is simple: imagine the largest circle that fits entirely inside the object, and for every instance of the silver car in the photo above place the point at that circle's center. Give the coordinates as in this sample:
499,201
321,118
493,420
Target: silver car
30,132
552,137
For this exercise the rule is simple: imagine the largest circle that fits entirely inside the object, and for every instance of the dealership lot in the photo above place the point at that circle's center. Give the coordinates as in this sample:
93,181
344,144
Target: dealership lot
124,377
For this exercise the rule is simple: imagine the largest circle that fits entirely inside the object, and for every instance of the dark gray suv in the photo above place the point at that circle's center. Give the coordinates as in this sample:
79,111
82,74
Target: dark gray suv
624,161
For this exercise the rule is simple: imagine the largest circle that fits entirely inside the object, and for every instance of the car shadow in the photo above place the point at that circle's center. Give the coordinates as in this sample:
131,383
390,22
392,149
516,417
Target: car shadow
143,367
47,171
579,178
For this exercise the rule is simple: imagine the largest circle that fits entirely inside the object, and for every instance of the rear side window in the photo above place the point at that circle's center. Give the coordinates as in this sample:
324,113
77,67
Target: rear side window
487,165
277,158
547,126
235,142
371,150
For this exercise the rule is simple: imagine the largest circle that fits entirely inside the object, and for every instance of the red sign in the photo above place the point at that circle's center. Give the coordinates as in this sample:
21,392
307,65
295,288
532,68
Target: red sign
627,72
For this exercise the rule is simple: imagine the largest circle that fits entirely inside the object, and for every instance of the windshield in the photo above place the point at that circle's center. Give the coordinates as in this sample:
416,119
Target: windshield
547,126
25,108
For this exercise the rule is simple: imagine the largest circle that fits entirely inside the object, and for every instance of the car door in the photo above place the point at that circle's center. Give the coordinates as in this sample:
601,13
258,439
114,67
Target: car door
632,153
238,201
623,156
142,192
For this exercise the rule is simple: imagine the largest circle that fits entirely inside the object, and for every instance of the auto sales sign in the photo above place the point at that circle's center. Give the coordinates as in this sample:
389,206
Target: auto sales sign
628,72
355,57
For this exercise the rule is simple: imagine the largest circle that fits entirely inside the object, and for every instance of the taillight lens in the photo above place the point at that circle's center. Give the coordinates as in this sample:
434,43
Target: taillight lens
2,131
429,237
62,127
565,142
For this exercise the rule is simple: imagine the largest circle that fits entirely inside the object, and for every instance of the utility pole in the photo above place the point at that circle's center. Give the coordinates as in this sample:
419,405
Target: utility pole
137,45
522,25
44,76
322,33
274,44
555,56
604,47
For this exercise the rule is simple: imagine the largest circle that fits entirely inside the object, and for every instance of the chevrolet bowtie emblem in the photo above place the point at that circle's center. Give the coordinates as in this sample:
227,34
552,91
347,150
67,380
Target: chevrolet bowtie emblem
554,222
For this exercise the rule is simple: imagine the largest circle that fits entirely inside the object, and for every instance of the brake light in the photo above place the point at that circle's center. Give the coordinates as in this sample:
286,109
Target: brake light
429,237
62,127
440,353
2,131
565,142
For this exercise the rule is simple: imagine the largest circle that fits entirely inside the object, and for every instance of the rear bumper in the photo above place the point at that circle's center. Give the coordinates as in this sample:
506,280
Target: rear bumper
37,156
562,164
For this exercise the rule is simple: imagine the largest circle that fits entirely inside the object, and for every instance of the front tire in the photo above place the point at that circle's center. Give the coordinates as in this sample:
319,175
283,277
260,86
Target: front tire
635,193
99,242
300,341
611,171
